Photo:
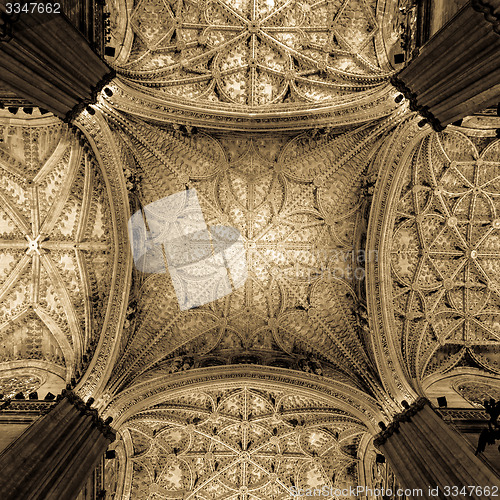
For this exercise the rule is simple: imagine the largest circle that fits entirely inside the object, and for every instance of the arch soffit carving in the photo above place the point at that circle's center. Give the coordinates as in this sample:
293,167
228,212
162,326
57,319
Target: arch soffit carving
392,158
144,395
369,106
112,161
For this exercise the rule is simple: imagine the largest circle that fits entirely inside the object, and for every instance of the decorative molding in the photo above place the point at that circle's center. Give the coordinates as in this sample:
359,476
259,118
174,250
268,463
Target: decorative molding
346,112
389,364
111,160
95,91
20,407
135,399
404,416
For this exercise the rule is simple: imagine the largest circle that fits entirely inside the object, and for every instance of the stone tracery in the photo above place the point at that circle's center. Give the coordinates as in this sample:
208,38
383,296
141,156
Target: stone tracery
240,443
445,254
441,235
253,53
301,203
283,197
55,245
25,384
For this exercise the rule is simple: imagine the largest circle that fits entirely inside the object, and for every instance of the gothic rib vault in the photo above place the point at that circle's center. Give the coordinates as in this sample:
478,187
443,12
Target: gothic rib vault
254,64
371,245
56,249
283,196
245,442
435,287
253,53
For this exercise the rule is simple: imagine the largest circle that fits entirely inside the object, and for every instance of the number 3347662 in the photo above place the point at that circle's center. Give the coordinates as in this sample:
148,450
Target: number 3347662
33,7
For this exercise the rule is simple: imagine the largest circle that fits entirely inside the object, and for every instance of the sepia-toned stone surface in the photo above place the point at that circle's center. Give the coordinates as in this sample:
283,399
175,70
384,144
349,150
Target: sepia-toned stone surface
55,247
446,254
297,203
254,53
241,443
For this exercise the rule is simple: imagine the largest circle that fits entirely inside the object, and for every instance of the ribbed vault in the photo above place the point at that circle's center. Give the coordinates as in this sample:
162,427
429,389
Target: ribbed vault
55,250
239,432
438,281
232,63
298,203
253,53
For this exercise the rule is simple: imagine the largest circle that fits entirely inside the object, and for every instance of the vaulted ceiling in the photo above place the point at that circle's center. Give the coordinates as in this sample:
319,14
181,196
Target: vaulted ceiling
55,250
246,442
278,59
436,289
297,203
446,251
254,53
371,245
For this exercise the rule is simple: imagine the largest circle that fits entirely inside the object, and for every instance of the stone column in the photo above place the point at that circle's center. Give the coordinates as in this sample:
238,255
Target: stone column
46,60
424,452
53,458
457,72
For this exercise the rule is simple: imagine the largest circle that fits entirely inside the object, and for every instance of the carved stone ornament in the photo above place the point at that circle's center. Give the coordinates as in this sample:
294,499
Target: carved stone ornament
296,202
238,64
56,248
436,291
220,429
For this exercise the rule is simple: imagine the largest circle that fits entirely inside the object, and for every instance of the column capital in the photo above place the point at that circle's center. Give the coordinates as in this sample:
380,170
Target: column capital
412,97
86,409
404,416
491,11
92,99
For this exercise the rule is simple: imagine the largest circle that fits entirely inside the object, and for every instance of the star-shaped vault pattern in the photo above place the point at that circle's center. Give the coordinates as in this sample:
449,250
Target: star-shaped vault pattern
254,53
240,444
296,204
55,248
446,255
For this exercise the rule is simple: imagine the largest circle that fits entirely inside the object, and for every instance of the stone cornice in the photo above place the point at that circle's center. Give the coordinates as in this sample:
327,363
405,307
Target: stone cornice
367,106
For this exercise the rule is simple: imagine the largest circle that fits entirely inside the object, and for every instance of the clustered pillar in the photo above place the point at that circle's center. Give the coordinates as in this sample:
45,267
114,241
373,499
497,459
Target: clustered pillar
425,452
53,458
47,61
457,72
